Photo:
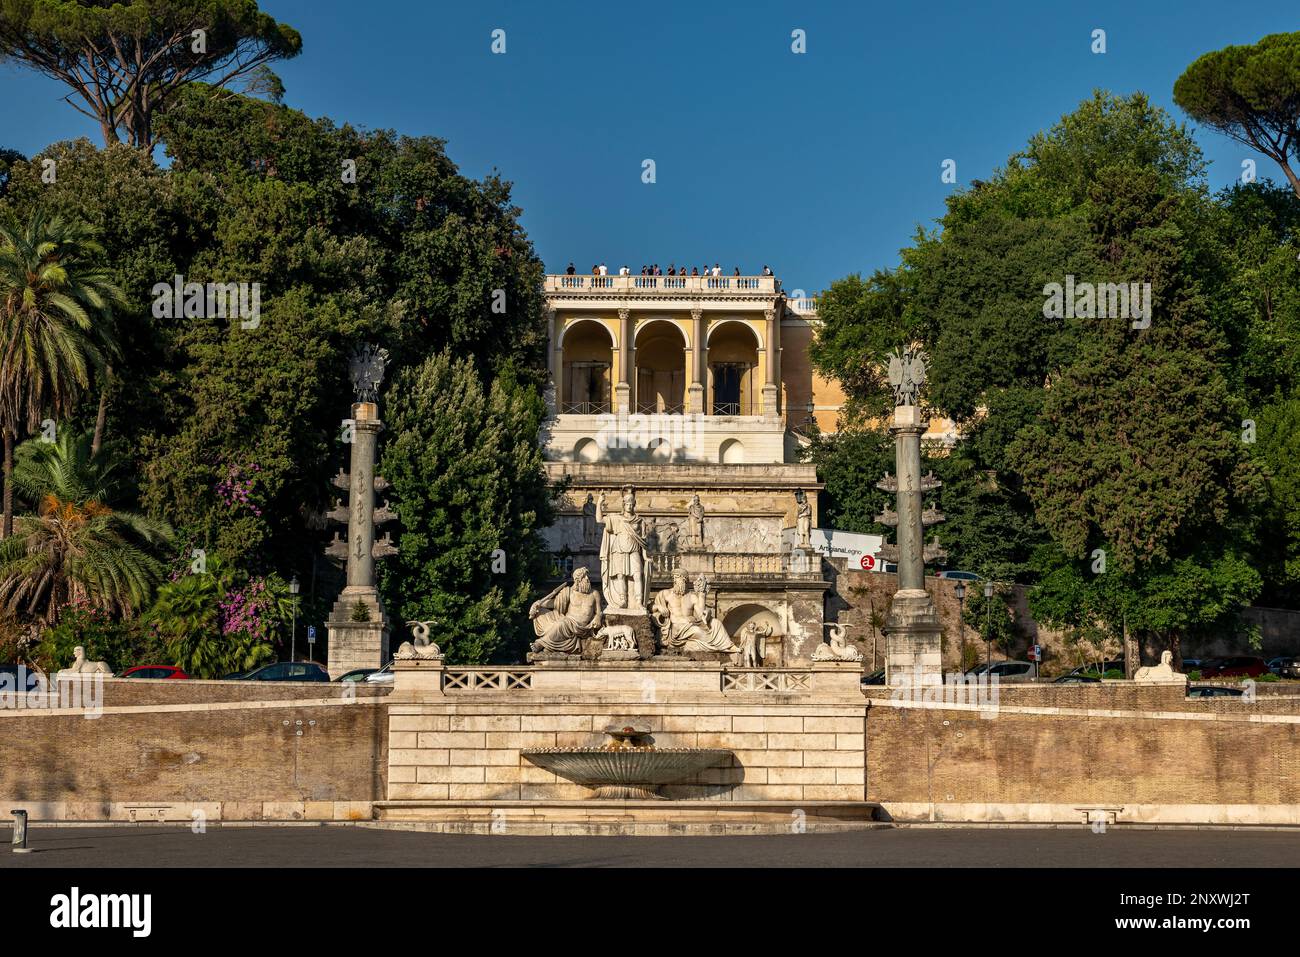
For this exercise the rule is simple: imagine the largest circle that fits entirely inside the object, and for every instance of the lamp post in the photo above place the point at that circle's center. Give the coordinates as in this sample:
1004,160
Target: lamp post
293,640
988,619
960,591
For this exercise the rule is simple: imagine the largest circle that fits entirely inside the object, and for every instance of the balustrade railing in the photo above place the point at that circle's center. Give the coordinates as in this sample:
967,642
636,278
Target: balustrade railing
716,284
486,679
735,564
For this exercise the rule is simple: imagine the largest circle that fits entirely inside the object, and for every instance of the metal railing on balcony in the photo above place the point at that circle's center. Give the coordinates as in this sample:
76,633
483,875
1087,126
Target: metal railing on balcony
584,408
653,408
726,408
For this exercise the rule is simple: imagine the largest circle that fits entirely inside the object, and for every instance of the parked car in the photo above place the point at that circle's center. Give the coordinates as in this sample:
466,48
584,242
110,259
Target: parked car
1073,679
356,674
876,677
384,676
153,671
1092,668
961,576
19,678
1285,666
1011,670
288,671
891,568
1214,691
1191,664
1238,666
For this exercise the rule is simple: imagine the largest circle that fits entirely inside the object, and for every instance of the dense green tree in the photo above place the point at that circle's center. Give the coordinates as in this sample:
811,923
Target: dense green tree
472,497
1252,94
126,60
1081,433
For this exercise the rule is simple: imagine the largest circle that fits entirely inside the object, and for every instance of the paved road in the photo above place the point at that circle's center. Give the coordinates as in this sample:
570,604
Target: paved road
311,846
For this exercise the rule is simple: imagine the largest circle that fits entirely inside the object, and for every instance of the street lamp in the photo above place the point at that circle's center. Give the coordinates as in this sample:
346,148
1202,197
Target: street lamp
988,619
960,591
293,640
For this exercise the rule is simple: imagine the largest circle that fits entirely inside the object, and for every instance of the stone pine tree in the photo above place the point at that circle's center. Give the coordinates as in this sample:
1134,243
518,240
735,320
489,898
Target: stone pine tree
471,494
1252,94
125,62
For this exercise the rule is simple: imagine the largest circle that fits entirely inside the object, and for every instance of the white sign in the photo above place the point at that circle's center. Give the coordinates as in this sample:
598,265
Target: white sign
860,550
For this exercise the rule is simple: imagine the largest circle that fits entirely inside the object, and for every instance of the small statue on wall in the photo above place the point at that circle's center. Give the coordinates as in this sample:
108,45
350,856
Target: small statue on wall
695,521
803,519
82,666
839,648
753,640
589,521
422,647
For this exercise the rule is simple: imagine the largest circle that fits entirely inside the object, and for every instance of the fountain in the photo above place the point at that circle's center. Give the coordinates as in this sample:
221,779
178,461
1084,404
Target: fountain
627,767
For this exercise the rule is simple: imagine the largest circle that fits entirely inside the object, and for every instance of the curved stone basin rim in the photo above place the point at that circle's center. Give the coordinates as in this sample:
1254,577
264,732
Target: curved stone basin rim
626,772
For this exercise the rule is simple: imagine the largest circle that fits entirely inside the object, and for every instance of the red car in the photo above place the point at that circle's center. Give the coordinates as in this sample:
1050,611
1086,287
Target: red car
153,671
1240,666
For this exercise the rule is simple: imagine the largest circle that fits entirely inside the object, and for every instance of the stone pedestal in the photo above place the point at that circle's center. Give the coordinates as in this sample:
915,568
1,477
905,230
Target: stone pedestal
357,644
913,649
642,627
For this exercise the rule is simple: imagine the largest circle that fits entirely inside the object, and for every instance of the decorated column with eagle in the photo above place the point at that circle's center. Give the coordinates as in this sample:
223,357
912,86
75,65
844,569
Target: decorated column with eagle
358,623
913,649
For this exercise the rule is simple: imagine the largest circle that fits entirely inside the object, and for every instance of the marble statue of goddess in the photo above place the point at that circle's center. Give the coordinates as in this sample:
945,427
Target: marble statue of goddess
624,557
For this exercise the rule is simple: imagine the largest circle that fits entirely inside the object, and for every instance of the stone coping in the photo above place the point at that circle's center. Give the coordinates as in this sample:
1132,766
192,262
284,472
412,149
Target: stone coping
246,705
630,818
993,710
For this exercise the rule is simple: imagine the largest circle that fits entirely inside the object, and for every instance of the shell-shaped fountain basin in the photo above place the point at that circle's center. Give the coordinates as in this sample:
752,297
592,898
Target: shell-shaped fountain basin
626,772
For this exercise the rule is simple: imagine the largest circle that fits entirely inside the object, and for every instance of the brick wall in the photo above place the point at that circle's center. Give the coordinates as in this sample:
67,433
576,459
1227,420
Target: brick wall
158,742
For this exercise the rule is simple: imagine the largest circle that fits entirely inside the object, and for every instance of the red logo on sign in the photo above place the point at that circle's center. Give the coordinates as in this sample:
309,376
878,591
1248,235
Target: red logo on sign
868,562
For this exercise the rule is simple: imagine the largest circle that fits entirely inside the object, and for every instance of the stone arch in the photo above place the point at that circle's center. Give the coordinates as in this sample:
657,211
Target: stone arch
732,452
731,323
587,349
583,321
586,450
661,348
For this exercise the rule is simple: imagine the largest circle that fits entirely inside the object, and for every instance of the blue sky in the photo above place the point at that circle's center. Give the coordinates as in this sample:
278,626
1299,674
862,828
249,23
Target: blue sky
820,164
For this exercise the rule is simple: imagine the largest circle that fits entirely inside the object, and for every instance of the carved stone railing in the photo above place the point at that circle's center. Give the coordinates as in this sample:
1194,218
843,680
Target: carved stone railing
721,566
486,679
757,680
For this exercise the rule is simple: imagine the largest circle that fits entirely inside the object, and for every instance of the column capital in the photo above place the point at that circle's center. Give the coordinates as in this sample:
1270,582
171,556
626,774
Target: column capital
624,314
697,313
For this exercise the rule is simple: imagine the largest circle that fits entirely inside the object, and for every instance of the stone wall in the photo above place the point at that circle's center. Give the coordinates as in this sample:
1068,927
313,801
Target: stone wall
160,750
798,737
1147,754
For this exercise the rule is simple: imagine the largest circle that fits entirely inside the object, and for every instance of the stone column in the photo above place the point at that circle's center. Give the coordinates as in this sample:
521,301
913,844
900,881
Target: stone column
626,363
699,368
359,639
913,649
554,361
772,377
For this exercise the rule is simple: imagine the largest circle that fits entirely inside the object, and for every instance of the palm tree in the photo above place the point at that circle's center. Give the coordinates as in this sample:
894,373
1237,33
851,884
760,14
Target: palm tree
78,545
56,302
